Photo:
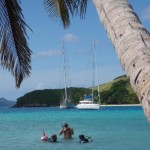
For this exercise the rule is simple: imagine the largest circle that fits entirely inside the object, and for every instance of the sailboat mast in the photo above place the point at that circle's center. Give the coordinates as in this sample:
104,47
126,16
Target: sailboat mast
93,71
65,75
96,71
97,79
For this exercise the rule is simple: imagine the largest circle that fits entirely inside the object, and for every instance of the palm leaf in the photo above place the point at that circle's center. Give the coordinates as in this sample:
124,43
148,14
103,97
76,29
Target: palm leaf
64,8
81,6
14,51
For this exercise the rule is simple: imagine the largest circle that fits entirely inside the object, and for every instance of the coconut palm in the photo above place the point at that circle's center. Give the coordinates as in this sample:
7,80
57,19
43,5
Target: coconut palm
14,50
129,37
131,41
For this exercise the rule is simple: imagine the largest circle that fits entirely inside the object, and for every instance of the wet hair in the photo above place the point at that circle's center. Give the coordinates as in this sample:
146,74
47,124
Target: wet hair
54,137
83,139
66,125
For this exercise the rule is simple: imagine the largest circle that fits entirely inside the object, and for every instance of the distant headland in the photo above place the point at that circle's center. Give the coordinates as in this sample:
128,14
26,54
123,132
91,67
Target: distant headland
116,92
6,103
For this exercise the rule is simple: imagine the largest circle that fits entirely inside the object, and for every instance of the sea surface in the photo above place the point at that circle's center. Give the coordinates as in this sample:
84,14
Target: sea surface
111,128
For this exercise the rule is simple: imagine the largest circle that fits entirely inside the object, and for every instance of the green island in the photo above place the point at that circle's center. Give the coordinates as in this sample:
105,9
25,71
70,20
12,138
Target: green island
116,92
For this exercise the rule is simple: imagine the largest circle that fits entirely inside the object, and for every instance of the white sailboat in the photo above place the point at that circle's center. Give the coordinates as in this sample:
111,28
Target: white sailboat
88,101
66,103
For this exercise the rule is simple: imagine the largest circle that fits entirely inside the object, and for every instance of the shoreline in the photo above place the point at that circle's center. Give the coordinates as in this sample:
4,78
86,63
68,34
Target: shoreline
121,105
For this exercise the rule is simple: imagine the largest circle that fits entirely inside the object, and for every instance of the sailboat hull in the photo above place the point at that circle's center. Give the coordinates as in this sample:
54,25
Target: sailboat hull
88,106
66,105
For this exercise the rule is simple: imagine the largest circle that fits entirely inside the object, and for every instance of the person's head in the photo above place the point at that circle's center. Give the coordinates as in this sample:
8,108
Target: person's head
81,137
66,125
54,137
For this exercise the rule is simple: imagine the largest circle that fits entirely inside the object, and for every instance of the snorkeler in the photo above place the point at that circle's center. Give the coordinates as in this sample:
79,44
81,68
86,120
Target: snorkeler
46,139
84,139
67,131
53,138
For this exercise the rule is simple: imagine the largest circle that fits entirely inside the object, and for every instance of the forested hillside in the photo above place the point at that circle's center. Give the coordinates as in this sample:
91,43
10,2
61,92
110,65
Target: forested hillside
118,91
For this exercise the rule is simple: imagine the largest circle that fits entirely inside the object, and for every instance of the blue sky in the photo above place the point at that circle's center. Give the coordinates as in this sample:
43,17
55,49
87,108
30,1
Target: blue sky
46,41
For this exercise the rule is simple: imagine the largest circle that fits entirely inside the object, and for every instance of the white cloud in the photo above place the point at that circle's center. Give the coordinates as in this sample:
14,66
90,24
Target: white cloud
146,14
41,86
48,53
70,38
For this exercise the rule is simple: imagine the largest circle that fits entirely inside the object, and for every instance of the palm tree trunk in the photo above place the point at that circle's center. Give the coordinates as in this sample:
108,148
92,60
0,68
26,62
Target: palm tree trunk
131,41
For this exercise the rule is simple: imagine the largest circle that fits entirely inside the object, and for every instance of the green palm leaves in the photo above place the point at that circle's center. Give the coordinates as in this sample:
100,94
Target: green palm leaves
14,51
64,8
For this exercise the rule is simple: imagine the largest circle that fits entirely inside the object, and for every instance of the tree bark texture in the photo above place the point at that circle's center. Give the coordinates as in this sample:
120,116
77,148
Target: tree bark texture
131,41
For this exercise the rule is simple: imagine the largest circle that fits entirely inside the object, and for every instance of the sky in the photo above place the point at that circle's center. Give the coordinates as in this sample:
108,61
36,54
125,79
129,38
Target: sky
46,44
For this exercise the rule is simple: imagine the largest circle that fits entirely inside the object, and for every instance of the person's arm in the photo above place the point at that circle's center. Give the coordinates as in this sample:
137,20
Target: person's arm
62,131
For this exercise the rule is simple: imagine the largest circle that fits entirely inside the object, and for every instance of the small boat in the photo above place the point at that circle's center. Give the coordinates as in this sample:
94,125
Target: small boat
87,103
66,103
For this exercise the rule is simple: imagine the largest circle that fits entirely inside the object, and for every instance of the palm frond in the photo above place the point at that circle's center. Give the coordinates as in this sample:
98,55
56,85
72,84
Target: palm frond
64,8
81,6
60,9
14,51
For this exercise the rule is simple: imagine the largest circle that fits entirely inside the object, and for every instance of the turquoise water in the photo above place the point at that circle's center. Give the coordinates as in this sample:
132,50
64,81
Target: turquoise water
111,128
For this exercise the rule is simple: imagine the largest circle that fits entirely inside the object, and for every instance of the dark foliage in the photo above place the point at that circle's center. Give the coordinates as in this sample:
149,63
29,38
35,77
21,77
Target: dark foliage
52,97
118,94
